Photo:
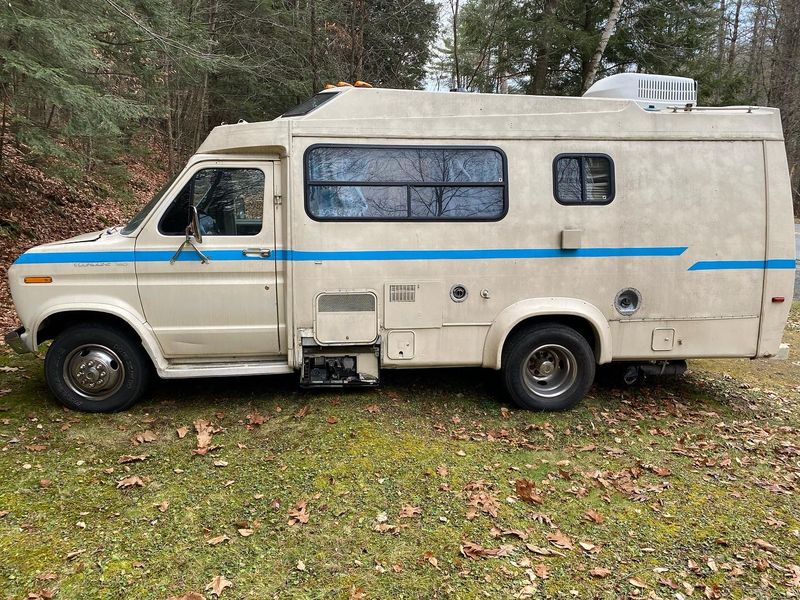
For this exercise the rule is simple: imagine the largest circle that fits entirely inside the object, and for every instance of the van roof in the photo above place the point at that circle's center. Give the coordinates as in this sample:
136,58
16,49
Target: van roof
381,114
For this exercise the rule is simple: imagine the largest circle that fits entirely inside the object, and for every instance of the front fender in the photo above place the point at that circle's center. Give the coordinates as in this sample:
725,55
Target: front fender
537,307
142,329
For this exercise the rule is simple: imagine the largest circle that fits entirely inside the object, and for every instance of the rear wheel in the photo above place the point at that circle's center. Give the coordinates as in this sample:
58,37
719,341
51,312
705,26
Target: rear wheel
548,367
96,368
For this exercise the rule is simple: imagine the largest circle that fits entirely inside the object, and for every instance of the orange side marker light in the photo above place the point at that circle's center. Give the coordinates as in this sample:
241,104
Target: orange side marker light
38,280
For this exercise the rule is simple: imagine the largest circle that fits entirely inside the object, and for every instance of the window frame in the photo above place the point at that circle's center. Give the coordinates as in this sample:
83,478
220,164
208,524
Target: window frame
612,187
202,166
307,183
297,111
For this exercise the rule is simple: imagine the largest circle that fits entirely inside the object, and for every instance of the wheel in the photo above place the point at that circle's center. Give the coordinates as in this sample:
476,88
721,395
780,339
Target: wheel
96,368
548,367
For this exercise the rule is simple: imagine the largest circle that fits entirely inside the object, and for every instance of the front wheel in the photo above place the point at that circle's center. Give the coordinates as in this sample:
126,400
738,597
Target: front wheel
96,368
548,367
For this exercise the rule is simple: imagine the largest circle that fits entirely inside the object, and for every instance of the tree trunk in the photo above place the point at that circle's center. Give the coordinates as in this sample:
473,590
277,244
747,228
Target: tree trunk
734,32
608,31
784,82
721,31
312,8
543,50
456,71
3,130
503,59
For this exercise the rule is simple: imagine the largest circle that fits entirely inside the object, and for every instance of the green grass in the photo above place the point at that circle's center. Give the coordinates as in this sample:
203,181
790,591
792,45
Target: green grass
727,432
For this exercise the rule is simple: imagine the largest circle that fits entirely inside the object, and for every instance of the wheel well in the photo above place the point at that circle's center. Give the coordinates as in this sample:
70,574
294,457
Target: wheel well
579,324
58,322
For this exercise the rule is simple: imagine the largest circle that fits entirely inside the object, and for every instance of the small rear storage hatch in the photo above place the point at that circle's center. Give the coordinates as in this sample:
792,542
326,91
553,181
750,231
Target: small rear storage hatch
343,318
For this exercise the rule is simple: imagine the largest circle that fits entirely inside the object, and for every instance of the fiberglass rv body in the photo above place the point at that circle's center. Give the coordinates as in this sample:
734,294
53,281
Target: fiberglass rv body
373,229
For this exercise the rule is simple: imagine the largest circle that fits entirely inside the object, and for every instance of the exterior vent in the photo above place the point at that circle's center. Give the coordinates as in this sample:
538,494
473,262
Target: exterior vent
344,318
402,293
651,92
331,303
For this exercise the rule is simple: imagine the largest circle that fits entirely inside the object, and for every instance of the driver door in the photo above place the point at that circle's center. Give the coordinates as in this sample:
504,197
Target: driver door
225,306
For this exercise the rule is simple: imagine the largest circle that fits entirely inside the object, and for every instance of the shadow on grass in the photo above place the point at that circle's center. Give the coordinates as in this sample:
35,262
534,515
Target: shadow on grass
467,389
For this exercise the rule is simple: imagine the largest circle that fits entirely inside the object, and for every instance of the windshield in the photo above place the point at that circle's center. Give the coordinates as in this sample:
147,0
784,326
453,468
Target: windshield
142,214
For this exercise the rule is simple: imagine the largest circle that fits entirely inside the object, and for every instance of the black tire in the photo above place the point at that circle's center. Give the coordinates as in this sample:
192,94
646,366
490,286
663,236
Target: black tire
537,388
115,358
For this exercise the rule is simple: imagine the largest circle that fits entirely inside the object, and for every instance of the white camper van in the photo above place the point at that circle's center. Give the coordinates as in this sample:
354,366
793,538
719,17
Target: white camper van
371,229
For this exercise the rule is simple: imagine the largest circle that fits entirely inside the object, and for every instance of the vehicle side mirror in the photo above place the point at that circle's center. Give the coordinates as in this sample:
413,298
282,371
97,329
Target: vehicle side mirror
193,227
193,231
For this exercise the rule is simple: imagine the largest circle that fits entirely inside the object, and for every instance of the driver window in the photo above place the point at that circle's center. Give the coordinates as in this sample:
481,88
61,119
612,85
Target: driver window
228,201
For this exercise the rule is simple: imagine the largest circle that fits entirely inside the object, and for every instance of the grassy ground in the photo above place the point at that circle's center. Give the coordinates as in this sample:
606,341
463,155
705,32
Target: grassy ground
694,480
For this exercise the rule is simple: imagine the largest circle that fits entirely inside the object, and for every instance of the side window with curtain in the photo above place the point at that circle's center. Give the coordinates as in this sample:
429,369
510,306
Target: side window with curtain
229,202
583,179
398,183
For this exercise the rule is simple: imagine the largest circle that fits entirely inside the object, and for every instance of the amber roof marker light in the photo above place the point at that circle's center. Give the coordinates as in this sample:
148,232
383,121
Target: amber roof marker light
341,84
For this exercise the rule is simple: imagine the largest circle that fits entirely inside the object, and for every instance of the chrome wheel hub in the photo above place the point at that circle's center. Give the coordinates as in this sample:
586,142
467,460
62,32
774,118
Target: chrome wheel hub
550,370
93,371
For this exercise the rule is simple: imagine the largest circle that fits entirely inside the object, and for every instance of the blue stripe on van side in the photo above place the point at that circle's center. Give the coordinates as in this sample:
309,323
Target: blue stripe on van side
377,255
725,265
127,256
481,254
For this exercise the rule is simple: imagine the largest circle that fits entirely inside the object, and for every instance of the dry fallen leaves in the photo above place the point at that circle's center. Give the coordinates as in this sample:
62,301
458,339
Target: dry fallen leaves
298,513
593,516
204,431
526,490
218,585
132,481
129,458
188,596
560,540
542,571
302,412
255,418
373,408
217,540
407,511
182,431
543,551
143,437
432,560
600,572
245,532
764,545
638,583
357,593
473,550
793,576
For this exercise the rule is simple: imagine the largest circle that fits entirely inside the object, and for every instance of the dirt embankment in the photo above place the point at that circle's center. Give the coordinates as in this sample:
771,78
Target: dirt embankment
36,208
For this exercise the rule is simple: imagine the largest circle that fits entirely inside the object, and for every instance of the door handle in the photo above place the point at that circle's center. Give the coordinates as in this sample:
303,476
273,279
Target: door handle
262,252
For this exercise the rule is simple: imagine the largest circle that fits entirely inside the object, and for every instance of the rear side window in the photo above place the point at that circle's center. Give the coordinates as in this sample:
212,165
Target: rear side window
401,183
583,179
311,104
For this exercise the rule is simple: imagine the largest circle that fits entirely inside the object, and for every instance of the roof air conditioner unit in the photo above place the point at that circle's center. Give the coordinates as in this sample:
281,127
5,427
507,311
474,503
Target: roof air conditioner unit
651,92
